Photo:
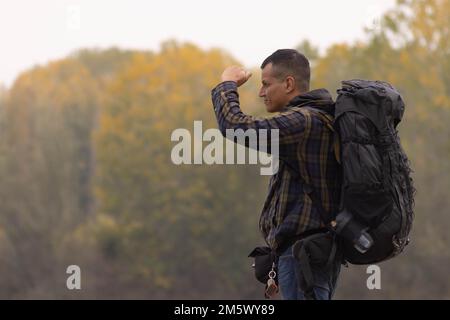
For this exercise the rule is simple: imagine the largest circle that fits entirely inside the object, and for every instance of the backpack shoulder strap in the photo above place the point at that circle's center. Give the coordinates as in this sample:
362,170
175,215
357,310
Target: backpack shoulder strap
328,120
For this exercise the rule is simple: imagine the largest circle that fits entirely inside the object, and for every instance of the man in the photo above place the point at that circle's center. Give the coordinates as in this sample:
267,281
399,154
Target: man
306,160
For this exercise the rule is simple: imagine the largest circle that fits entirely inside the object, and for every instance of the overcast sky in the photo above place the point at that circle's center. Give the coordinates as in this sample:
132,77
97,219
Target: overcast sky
34,32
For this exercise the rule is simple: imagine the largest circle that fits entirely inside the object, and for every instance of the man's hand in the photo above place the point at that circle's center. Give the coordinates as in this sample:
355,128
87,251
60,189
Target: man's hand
236,74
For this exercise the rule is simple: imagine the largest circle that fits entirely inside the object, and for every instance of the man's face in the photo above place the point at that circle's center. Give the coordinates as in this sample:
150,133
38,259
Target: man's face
273,90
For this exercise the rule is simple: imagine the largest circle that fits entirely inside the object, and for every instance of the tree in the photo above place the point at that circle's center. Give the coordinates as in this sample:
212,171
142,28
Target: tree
45,170
411,51
171,217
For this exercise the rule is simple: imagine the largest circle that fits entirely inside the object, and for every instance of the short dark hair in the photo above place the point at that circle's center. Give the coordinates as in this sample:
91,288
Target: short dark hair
290,62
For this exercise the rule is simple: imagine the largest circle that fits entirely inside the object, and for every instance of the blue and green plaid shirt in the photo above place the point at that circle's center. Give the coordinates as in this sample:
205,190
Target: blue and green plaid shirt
306,154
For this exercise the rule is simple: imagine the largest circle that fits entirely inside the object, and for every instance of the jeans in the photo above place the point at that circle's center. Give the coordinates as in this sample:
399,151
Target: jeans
324,281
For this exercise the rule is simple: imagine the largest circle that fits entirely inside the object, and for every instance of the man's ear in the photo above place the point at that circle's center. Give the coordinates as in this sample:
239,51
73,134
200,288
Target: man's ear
290,84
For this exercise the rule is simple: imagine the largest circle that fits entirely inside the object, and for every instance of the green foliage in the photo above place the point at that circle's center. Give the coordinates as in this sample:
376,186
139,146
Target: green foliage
86,176
174,215
411,51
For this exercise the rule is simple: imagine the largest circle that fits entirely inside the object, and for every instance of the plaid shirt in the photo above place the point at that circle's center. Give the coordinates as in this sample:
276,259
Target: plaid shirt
306,154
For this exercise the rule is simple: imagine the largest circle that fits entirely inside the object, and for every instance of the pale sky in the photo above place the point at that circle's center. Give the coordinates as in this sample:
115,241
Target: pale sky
34,32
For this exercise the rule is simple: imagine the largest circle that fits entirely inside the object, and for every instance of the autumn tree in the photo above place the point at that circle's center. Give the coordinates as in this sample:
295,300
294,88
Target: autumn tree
410,49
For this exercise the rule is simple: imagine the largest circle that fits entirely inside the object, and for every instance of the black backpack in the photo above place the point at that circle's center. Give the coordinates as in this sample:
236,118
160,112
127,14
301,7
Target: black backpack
377,193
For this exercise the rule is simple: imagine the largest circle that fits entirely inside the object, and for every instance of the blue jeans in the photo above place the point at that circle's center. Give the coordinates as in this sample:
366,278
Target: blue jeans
324,282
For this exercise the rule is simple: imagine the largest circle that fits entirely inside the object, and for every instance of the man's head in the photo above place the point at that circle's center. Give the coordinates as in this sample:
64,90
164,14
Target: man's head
285,75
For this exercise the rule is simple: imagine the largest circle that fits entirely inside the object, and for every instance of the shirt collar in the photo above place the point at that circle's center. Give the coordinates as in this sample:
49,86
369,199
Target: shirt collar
317,97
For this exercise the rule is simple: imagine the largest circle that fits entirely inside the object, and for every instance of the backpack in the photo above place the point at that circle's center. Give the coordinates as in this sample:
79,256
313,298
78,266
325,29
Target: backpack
377,194
375,213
